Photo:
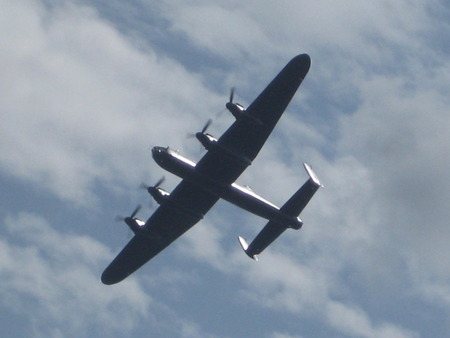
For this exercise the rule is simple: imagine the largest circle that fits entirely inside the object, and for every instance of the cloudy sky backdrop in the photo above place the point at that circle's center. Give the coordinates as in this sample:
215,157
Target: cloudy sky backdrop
87,87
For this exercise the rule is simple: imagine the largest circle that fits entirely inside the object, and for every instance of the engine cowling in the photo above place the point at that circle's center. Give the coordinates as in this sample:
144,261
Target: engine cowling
135,224
208,141
235,108
158,194
239,112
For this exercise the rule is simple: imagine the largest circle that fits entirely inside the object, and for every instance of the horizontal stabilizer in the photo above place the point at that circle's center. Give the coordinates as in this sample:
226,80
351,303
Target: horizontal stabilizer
293,207
244,246
267,235
312,174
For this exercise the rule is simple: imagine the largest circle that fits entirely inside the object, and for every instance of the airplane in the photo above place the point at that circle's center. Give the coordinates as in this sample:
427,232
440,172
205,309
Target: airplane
213,177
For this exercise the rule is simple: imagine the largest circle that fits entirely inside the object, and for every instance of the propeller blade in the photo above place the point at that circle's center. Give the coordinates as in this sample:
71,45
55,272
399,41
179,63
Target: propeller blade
161,180
219,113
190,135
119,218
205,127
136,211
208,123
143,186
232,94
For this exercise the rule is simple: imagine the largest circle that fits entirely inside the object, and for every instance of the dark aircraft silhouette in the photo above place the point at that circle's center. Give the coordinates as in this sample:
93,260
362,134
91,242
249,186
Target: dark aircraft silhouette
213,177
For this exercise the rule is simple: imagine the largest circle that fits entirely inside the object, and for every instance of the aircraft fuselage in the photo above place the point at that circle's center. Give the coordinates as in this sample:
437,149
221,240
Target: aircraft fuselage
240,196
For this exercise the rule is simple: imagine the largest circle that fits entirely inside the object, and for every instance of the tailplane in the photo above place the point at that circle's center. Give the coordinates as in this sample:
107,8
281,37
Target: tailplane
293,207
244,246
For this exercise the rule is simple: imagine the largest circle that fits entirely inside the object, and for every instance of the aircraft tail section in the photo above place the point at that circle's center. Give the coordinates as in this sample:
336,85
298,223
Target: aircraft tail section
293,207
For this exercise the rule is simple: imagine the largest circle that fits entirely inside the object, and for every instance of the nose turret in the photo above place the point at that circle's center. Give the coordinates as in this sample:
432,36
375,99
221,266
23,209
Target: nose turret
157,150
158,154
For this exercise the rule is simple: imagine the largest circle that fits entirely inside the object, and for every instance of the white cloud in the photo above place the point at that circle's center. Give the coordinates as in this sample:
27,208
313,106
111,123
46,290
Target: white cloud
381,213
80,103
283,335
58,276
400,135
356,323
221,29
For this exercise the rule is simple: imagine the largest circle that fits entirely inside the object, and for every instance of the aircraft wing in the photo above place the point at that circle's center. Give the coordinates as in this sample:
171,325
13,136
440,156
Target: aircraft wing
247,134
186,206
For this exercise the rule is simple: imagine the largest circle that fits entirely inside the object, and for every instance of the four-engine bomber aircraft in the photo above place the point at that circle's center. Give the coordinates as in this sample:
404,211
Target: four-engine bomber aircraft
213,177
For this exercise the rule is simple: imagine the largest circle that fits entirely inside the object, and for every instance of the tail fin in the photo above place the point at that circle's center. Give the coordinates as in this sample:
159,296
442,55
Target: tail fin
293,207
244,246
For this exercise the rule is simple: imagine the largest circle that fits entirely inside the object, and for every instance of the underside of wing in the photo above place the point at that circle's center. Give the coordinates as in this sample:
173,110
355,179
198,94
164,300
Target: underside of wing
293,207
186,206
245,138
136,253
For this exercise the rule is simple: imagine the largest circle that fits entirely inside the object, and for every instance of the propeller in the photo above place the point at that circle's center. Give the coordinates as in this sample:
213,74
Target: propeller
206,126
156,185
204,129
135,211
210,120
153,190
235,108
232,94
230,105
121,218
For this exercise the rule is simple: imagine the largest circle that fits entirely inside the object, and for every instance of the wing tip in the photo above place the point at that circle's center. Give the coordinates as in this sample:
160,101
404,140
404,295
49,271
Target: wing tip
109,277
304,60
107,280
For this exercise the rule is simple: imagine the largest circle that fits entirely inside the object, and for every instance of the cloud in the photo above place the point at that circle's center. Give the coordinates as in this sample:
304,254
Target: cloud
79,101
57,275
381,214
356,323
398,134
203,23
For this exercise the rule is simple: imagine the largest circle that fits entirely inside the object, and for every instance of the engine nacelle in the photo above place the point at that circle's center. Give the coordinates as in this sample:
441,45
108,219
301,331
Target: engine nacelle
208,141
235,108
158,194
239,112
135,224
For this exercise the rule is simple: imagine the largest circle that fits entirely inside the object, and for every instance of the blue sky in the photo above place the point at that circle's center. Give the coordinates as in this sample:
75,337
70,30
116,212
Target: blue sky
87,87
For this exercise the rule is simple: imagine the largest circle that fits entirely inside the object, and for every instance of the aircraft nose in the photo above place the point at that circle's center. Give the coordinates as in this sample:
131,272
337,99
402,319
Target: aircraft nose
156,150
157,153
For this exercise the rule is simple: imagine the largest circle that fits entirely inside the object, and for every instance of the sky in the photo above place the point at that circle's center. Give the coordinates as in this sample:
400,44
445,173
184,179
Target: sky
88,87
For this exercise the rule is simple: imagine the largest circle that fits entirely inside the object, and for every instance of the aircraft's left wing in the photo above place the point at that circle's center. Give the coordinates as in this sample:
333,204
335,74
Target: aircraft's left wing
186,206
